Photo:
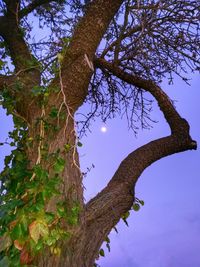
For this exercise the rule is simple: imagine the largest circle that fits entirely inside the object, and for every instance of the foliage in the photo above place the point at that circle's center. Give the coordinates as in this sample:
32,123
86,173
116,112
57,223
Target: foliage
47,73
26,225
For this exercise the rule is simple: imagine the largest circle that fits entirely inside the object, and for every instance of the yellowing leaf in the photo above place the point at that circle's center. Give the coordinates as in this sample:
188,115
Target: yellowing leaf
18,245
55,250
60,57
5,242
38,229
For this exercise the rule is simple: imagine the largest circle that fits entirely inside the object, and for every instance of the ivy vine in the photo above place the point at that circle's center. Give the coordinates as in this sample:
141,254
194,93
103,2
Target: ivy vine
26,227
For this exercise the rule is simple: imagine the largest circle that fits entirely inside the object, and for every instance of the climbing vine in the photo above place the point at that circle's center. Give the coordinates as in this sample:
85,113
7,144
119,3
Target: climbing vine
26,224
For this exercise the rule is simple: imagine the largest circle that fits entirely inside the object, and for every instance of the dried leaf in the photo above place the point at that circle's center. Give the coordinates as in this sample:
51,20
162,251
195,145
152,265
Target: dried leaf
25,257
38,229
5,242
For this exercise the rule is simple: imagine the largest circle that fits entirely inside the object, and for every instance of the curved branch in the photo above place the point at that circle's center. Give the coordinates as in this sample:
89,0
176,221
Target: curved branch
13,36
171,115
106,209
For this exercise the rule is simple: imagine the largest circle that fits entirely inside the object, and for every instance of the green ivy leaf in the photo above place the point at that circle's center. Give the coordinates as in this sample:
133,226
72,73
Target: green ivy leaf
126,215
41,173
38,90
59,165
101,252
54,112
17,231
136,207
2,63
24,224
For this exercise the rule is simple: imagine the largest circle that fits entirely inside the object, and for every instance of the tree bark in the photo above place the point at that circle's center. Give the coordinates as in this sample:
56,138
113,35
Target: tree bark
100,214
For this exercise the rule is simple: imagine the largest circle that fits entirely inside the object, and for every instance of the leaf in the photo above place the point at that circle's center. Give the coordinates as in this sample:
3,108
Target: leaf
79,144
54,112
38,229
55,250
2,63
67,147
38,90
107,239
60,57
59,165
25,257
101,252
141,202
126,215
12,224
24,224
5,242
40,172
17,231
136,206
5,262
18,245
39,246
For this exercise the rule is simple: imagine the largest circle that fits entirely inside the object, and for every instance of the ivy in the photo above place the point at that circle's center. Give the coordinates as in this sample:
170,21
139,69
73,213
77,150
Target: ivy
26,226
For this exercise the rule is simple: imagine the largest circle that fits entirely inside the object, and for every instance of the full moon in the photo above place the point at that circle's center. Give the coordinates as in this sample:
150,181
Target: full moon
103,129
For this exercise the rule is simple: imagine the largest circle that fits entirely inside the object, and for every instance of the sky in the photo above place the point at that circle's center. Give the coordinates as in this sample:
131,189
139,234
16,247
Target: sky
165,232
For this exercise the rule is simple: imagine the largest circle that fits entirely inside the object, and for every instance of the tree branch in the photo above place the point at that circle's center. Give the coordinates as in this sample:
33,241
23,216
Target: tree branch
32,6
13,36
75,70
106,209
171,115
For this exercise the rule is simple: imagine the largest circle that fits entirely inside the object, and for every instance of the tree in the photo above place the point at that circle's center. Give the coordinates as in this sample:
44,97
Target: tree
108,54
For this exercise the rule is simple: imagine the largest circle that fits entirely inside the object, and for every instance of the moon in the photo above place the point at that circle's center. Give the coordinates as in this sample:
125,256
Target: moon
103,129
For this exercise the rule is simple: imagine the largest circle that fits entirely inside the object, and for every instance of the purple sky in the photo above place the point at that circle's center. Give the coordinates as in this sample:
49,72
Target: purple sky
166,231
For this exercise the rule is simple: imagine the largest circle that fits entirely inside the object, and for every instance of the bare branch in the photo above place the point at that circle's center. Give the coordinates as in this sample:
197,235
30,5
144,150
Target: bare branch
171,115
106,209
12,34
32,6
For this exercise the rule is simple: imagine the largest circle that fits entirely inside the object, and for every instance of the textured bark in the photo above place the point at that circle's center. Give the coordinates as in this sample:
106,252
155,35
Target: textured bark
101,214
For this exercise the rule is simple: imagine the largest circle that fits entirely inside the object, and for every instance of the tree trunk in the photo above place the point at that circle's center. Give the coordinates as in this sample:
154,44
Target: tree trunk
51,144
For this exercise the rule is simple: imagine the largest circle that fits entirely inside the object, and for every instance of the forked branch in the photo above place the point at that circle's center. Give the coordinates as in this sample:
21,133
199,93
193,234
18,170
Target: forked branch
106,209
